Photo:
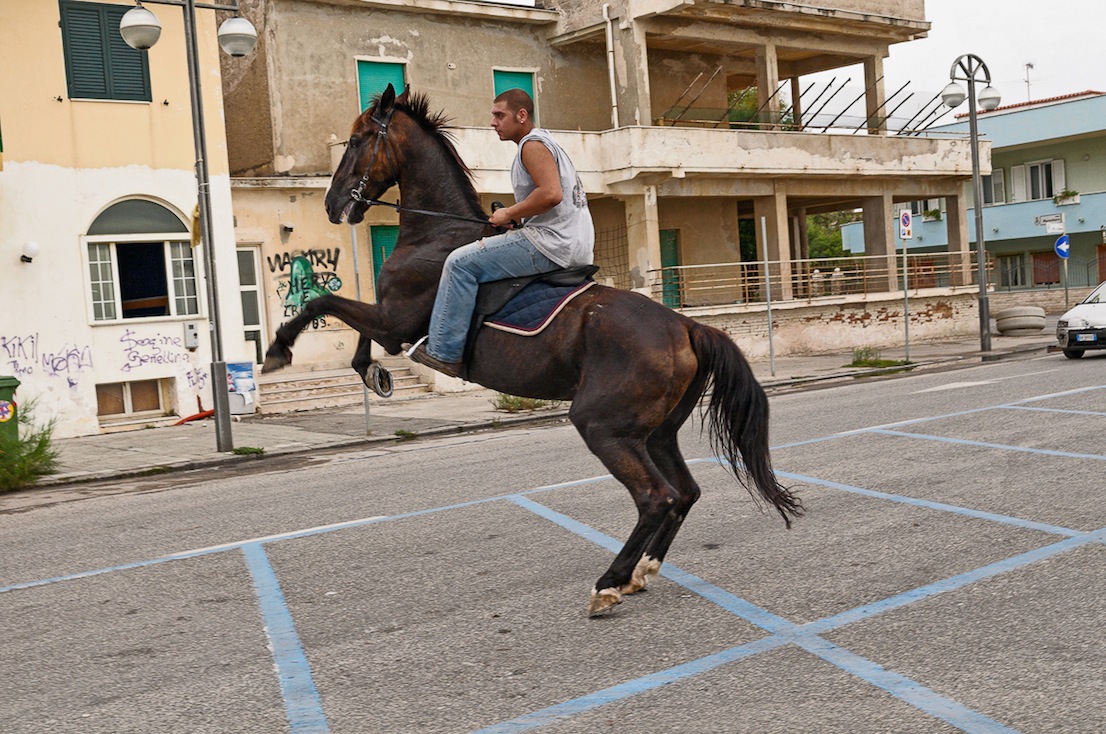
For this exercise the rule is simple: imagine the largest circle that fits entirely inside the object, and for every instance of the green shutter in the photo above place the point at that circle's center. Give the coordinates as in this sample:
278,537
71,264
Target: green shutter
523,80
98,62
384,239
373,77
505,80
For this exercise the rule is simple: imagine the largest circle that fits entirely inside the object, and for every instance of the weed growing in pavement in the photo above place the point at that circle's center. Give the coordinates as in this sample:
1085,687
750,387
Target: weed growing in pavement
248,451
29,455
405,435
515,404
872,357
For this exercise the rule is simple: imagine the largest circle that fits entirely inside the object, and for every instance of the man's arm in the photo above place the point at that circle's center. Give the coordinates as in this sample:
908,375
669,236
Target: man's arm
547,193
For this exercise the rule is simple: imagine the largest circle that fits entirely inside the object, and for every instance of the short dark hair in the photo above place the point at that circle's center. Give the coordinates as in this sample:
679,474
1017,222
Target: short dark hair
516,100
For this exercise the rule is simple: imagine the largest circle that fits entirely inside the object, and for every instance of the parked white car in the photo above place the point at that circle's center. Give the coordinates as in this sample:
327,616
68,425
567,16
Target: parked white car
1084,327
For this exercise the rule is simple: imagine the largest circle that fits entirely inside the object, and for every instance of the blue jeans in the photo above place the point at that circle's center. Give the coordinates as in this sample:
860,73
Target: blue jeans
507,255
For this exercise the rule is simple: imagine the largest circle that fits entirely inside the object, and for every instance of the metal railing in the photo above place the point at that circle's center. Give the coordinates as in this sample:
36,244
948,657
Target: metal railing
717,284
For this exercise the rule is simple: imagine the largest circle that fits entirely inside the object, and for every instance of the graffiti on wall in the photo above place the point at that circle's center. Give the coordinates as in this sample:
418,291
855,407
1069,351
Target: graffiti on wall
156,348
303,275
21,356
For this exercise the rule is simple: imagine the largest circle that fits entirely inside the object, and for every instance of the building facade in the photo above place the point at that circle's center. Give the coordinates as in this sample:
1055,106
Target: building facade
106,325
638,92
1047,178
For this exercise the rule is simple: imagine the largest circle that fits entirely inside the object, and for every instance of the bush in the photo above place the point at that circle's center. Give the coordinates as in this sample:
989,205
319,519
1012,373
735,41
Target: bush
29,456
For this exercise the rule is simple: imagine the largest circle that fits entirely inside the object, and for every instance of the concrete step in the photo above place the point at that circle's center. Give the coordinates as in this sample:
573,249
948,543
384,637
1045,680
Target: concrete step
294,389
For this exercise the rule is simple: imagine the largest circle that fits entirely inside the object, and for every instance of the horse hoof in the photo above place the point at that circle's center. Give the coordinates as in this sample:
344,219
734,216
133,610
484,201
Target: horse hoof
603,600
644,572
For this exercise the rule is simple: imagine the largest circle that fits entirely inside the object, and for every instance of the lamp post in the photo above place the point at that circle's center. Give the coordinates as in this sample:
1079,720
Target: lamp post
140,29
965,69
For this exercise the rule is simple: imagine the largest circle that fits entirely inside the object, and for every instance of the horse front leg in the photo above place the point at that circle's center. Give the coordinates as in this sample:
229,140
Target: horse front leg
364,317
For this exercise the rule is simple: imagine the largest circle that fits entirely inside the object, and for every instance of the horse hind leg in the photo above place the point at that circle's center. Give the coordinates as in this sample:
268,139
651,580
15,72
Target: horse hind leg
628,460
665,452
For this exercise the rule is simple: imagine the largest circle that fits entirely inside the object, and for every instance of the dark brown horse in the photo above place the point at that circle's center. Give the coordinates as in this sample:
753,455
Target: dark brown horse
633,369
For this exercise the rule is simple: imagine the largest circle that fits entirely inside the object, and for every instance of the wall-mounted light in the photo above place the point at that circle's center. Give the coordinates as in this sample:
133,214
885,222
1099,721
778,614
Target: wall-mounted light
287,227
994,229
30,250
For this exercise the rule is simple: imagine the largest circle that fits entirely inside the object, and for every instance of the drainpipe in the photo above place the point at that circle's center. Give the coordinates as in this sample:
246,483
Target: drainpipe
610,63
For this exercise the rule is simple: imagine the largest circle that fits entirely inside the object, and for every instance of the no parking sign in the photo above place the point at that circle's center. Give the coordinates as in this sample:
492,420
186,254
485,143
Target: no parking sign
906,225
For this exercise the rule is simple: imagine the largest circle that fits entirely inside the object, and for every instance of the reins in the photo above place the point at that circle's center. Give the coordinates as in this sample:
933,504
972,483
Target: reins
357,194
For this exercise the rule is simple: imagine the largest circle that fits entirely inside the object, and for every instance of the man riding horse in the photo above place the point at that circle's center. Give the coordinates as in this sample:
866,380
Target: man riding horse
549,201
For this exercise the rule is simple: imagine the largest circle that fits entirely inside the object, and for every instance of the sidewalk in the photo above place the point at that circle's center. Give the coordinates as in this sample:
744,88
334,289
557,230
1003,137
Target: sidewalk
193,445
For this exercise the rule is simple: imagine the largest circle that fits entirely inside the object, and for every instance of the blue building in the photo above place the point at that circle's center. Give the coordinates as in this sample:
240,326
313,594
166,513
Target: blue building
1047,177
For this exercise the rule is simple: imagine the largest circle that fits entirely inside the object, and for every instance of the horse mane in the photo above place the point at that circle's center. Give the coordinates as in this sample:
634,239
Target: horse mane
437,125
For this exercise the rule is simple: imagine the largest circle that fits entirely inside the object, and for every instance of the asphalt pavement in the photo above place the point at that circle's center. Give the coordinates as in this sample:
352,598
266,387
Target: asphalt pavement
193,445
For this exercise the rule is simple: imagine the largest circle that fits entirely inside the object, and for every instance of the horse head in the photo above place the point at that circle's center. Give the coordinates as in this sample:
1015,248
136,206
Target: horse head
370,165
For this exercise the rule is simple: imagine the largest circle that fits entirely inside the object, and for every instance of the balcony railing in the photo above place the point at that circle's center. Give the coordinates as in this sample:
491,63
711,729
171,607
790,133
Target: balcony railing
720,284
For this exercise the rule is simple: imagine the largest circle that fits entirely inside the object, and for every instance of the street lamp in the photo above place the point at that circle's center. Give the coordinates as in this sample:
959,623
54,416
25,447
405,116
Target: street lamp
965,69
140,29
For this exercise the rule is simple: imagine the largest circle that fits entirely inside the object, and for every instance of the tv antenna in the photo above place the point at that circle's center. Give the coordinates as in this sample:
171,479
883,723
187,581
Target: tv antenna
1028,68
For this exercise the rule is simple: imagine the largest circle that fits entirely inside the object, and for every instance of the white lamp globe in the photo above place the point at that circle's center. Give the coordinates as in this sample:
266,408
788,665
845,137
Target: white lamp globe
989,98
140,28
237,36
953,95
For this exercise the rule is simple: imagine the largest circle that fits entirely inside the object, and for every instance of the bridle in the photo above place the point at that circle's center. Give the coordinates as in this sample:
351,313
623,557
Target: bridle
358,192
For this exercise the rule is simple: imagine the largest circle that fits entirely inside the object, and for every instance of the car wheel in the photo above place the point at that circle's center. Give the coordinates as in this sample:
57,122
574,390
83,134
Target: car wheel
1073,353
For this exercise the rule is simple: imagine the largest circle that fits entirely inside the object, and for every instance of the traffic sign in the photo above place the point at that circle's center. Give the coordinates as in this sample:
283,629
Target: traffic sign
906,230
1062,246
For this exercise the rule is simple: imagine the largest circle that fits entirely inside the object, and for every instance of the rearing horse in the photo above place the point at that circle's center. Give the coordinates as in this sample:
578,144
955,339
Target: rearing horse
633,369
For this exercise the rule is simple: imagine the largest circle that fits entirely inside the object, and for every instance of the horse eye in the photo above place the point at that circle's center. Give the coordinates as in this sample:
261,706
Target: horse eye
354,141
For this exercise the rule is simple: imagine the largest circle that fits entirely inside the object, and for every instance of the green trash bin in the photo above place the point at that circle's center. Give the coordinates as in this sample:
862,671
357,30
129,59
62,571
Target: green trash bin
9,417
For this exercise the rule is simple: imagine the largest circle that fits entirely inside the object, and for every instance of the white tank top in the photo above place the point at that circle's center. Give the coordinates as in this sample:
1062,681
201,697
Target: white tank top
565,233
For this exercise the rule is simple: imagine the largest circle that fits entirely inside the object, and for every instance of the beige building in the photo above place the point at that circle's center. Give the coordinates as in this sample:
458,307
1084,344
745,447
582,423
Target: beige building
106,326
638,94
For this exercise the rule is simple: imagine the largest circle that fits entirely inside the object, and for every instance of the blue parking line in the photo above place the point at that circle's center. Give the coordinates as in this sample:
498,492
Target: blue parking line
986,445
1065,411
932,505
302,704
784,632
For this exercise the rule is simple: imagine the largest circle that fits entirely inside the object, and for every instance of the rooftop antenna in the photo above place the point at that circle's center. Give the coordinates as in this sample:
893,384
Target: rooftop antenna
1028,68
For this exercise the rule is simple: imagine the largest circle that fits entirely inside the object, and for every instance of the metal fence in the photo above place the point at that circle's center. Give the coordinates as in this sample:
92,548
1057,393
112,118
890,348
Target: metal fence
744,282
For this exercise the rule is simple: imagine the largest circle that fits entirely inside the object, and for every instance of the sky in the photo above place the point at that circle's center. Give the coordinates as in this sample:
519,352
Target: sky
1065,40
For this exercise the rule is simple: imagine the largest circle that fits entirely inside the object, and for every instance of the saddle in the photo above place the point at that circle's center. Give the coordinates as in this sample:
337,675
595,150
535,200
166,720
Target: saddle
494,296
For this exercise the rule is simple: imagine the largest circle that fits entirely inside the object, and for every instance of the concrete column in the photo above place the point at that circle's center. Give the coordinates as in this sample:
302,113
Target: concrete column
796,103
768,79
875,97
879,239
631,65
643,239
773,210
956,219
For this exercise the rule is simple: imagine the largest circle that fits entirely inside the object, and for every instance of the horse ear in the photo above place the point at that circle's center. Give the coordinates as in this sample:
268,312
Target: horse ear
402,99
387,99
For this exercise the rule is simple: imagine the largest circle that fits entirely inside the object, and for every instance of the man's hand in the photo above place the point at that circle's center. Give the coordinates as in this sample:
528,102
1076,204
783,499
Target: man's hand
501,218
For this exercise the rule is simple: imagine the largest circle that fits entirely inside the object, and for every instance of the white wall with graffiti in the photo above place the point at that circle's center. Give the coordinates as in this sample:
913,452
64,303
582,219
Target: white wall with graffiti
92,350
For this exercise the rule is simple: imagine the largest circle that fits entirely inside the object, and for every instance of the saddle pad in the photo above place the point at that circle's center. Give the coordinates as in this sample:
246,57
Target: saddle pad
528,313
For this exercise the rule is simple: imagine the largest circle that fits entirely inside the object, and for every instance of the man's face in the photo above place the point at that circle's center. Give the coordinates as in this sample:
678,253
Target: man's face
505,122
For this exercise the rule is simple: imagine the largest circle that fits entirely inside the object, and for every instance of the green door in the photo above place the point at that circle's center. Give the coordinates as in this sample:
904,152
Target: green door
670,258
384,238
373,77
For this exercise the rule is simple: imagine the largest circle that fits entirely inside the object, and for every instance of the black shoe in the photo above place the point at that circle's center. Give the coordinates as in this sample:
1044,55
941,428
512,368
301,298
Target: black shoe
420,355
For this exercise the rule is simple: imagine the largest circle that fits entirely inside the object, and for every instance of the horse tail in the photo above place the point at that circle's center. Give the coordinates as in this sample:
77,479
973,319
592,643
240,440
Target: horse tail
737,418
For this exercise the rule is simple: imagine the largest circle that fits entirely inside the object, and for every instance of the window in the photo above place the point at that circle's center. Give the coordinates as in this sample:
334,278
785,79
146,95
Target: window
98,62
994,188
373,77
135,275
121,398
524,80
1037,180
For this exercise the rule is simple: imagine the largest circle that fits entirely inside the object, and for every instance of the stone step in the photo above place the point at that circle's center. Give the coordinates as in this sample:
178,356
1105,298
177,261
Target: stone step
287,391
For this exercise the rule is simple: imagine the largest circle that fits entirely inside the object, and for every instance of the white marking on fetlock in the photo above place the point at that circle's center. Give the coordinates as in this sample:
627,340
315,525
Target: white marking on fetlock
645,571
603,600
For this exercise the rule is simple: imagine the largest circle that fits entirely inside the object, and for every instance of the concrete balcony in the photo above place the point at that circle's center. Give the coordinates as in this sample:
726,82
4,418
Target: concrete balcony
610,160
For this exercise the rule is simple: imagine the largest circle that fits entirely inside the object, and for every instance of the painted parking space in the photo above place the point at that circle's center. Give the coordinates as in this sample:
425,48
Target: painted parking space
920,593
